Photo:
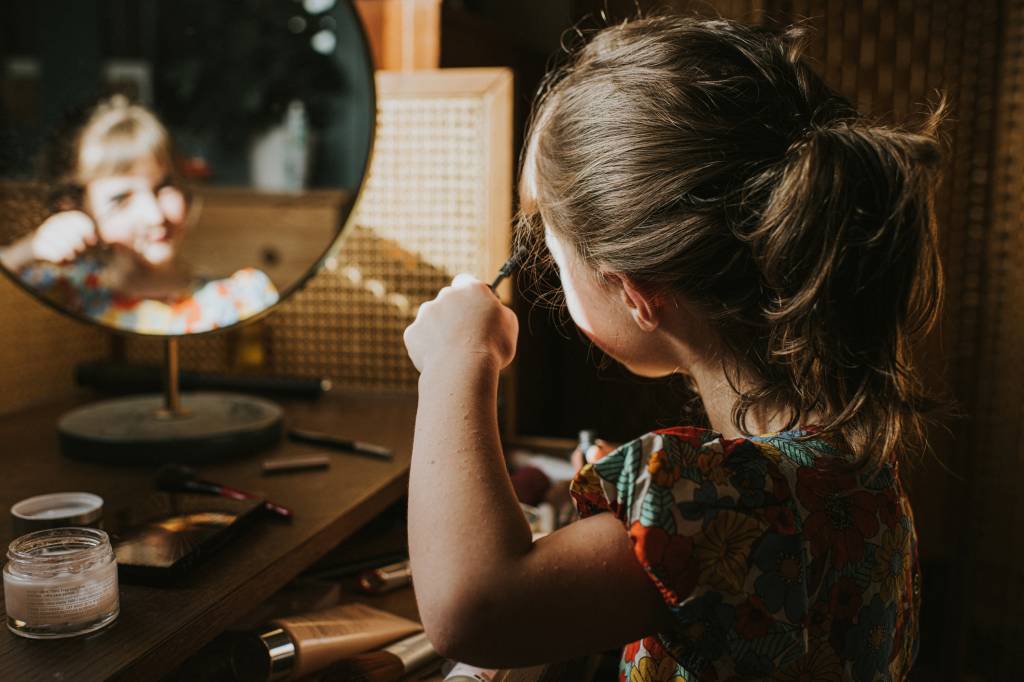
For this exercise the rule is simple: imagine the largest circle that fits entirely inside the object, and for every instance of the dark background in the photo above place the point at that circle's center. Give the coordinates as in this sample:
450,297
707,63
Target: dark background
220,73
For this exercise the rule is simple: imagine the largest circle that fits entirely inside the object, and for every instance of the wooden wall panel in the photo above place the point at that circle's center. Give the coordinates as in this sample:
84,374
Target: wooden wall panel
403,34
992,596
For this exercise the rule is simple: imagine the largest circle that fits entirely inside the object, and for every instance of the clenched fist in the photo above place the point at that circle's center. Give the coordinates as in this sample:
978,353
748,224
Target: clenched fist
63,236
466,323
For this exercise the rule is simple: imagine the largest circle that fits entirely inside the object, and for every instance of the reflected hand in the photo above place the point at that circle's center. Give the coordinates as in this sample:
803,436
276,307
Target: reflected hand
465,323
63,236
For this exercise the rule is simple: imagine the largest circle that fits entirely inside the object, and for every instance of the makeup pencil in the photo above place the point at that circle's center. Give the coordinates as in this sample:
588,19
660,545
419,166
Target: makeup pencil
355,447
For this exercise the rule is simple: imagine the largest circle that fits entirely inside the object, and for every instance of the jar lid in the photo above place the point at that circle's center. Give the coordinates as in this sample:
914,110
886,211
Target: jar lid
56,509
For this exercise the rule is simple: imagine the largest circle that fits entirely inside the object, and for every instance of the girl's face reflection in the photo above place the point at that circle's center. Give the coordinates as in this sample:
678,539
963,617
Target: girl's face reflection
140,210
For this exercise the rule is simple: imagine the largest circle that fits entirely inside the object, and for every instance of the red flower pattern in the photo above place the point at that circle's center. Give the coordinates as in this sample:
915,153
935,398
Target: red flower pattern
841,515
667,556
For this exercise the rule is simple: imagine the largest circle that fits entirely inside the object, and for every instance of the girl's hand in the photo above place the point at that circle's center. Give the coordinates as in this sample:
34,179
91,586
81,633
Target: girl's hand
599,450
63,236
465,323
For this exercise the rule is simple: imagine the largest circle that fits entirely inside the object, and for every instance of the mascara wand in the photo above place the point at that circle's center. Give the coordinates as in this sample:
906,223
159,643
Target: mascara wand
180,478
514,261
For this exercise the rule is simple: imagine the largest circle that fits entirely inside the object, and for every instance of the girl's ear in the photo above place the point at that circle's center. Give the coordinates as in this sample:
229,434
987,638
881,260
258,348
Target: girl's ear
643,305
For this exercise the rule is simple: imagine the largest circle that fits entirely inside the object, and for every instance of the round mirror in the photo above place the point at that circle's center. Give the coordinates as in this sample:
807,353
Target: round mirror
174,167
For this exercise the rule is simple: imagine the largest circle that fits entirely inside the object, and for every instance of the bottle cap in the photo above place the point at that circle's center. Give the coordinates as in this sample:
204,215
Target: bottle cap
268,655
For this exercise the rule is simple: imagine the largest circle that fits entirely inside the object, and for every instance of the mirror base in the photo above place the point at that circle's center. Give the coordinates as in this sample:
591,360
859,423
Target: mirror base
131,430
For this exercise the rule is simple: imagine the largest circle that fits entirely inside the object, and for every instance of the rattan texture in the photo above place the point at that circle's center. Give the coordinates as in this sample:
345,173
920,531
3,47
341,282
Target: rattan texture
40,349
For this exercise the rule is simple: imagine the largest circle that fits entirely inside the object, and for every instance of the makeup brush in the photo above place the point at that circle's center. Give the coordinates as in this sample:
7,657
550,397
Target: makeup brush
514,261
180,478
385,665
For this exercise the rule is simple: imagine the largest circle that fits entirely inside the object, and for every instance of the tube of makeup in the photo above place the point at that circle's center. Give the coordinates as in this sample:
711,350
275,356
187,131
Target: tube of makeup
297,646
386,665
386,578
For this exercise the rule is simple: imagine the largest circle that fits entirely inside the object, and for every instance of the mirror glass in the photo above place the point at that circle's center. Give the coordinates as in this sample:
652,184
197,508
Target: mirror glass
173,167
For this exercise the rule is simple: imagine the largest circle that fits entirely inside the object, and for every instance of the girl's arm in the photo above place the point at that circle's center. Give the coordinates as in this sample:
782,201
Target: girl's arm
486,593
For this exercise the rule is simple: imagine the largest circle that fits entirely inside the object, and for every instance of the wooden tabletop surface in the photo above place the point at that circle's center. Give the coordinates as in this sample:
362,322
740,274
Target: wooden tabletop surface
160,626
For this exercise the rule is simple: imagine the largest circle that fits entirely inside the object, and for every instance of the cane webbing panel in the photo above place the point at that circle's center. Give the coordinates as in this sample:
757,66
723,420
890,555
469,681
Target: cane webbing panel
39,349
437,202
993,591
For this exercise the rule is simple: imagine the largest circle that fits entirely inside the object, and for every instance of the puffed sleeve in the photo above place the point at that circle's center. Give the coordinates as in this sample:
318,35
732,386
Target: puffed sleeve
252,292
713,524
223,302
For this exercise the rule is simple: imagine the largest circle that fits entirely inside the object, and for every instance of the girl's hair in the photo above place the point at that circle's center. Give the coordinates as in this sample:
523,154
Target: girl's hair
707,157
111,138
117,135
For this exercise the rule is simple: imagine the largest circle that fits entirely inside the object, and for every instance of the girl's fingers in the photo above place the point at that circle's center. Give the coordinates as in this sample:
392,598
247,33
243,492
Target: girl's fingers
64,235
44,253
72,245
464,279
89,235
465,315
599,450
52,250
76,241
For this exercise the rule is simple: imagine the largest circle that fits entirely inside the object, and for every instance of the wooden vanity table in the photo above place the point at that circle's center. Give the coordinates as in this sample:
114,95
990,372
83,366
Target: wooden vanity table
159,627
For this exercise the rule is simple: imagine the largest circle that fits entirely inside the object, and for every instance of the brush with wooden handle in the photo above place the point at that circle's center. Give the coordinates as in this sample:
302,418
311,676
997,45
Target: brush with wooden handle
384,665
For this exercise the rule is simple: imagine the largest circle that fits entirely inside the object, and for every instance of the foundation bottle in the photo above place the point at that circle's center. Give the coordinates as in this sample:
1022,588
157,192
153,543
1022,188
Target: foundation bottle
293,647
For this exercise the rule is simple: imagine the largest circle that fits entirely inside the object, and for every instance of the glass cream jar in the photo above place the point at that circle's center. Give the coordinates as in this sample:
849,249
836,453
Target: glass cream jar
60,582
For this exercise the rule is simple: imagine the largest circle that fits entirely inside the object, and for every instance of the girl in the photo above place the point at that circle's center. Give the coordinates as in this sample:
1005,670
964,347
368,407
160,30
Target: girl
713,210
111,248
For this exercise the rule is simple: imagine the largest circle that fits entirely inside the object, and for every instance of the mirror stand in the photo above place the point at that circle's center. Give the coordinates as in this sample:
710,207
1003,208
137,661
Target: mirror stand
191,427
172,408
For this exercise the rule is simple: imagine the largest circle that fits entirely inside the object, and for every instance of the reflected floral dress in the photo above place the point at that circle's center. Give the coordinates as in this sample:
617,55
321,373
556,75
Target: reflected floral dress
773,567
210,304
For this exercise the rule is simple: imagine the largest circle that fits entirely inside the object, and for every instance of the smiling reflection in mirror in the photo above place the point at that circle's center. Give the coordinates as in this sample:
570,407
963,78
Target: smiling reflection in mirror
110,247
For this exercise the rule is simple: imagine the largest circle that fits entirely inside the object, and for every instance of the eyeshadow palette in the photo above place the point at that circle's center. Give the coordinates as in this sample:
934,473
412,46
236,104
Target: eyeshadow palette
170,532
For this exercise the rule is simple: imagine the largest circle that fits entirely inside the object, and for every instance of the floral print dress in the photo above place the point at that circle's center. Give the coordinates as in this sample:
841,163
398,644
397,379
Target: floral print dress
210,304
774,568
